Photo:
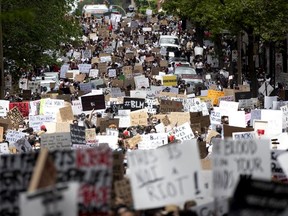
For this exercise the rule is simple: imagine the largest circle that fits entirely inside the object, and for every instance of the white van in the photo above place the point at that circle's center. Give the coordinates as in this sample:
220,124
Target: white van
169,41
97,10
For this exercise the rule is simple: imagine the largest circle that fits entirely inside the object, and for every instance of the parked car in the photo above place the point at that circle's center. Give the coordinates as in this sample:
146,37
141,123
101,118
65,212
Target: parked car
188,74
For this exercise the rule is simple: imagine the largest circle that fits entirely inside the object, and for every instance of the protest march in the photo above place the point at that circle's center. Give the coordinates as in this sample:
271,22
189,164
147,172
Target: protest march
136,122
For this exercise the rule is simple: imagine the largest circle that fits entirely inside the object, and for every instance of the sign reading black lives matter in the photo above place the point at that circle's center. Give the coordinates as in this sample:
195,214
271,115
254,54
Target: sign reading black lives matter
93,102
162,176
77,134
232,158
133,103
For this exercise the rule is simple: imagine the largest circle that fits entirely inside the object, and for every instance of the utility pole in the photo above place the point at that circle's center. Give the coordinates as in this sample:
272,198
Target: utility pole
2,81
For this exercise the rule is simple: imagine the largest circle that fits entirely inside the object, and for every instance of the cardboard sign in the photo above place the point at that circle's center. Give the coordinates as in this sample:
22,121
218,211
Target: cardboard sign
23,107
138,117
197,117
134,103
118,166
132,142
169,80
228,130
167,106
107,123
54,141
80,77
234,158
163,63
66,114
156,186
214,95
123,191
15,116
77,134
93,102
90,136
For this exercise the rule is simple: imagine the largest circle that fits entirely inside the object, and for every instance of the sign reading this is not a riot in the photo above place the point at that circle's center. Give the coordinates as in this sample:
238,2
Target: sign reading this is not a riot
232,158
161,176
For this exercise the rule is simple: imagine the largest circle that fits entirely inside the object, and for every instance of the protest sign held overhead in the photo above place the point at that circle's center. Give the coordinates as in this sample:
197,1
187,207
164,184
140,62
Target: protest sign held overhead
231,159
153,186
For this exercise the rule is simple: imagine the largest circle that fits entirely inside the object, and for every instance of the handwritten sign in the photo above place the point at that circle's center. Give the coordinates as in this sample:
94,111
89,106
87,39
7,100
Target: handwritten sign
44,201
36,121
90,136
215,116
170,106
84,68
138,117
162,177
153,140
4,148
23,107
244,135
56,140
169,80
234,158
15,116
12,136
77,134
182,132
214,95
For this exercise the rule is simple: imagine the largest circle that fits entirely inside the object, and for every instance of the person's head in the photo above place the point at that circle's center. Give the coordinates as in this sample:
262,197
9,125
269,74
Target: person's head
43,128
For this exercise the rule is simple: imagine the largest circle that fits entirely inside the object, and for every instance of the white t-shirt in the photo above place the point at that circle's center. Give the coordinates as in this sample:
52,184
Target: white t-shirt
199,65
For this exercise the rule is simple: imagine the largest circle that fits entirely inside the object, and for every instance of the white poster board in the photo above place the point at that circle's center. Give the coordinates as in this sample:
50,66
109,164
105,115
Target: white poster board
34,203
163,176
231,158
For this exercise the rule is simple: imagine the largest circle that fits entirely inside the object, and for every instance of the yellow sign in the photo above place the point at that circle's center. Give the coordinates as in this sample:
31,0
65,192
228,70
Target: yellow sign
214,95
170,80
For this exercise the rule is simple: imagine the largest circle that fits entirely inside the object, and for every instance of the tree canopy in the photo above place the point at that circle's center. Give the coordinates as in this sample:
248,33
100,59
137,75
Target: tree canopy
268,19
30,28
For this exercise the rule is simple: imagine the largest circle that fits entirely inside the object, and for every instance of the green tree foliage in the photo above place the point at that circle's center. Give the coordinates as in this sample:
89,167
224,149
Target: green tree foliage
267,19
31,27
263,19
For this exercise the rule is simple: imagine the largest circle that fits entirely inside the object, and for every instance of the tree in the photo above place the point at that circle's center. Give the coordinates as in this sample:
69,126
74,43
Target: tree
30,28
263,19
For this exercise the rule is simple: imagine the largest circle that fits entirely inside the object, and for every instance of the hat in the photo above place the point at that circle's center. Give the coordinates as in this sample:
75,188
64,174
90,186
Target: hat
42,127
